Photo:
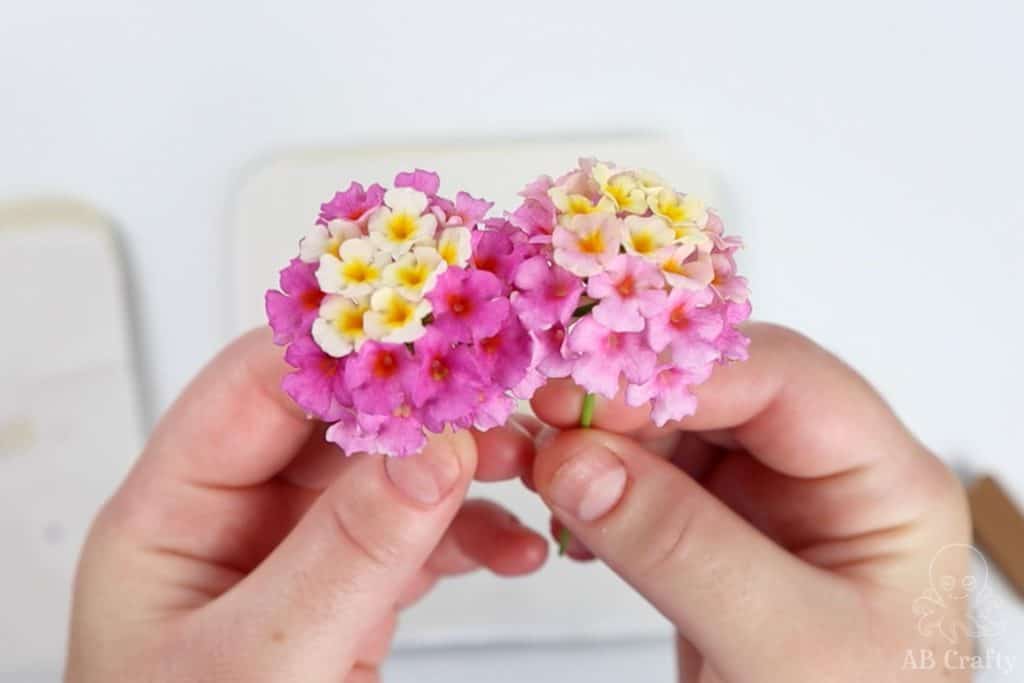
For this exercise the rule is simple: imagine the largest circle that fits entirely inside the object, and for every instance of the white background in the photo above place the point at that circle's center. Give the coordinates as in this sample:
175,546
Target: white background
871,152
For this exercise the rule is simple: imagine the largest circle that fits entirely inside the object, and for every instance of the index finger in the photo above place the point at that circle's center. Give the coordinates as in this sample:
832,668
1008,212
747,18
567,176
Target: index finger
232,426
794,406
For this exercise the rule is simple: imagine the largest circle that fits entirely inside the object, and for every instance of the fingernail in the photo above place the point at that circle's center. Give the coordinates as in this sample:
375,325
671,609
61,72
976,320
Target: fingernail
426,477
589,485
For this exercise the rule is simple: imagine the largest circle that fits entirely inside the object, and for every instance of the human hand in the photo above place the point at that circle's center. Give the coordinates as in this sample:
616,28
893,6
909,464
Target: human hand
242,547
785,529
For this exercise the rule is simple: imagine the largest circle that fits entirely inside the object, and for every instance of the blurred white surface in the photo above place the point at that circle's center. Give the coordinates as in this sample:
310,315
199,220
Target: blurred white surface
69,412
870,151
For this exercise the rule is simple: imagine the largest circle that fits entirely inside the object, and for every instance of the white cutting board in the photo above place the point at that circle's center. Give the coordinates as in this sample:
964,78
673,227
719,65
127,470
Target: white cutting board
278,198
69,413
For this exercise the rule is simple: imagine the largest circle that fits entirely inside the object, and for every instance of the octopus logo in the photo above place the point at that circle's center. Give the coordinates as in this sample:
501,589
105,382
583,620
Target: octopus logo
956,607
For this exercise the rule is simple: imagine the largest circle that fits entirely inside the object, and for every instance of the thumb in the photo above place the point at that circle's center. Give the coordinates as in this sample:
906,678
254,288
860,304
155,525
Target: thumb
303,612
723,584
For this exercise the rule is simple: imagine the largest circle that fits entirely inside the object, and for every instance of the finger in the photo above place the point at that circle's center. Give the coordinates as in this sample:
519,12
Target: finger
345,564
232,426
794,406
559,403
718,580
503,453
484,534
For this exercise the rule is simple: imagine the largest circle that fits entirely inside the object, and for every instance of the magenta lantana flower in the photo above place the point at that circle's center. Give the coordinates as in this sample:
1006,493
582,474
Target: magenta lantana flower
499,250
293,310
468,305
662,296
378,376
426,182
506,354
466,210
397,316
352,205
318,383
448,384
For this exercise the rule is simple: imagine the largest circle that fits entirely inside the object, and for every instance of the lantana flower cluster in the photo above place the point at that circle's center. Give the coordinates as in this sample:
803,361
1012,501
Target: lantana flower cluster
632,285
397,318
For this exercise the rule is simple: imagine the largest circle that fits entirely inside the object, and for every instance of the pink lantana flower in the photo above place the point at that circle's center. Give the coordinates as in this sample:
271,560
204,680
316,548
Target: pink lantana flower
547,294
604,356
659,279
353,205
731,343
468,304
292,311
536,218
378,376
629,291
687,321
588,243
725,281
668,392
550,359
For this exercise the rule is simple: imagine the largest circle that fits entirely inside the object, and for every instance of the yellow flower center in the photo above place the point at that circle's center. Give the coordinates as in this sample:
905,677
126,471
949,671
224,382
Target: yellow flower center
350,322
359,272
398,313
643,242
579,204
673,266
449,252
619,193
673,211
333,245
401,227
592,242
413,276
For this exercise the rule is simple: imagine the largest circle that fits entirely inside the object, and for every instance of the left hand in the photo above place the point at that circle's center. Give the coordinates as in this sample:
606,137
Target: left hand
243,547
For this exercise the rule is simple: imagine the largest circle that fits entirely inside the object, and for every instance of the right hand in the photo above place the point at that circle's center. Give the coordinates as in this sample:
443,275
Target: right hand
785,529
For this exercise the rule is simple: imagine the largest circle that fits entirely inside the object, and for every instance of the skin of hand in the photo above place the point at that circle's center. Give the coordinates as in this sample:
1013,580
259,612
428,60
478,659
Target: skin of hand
242,547
785,529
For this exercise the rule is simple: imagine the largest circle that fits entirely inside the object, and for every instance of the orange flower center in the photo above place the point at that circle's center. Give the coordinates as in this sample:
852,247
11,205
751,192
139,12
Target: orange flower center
678,318
311,299
592,242
384,365
626,286
438,370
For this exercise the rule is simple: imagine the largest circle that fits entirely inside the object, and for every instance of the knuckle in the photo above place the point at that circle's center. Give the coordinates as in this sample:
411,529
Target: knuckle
671,543
378,548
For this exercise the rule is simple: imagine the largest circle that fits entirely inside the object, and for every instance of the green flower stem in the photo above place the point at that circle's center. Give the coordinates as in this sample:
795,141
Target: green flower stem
586,418
587,411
